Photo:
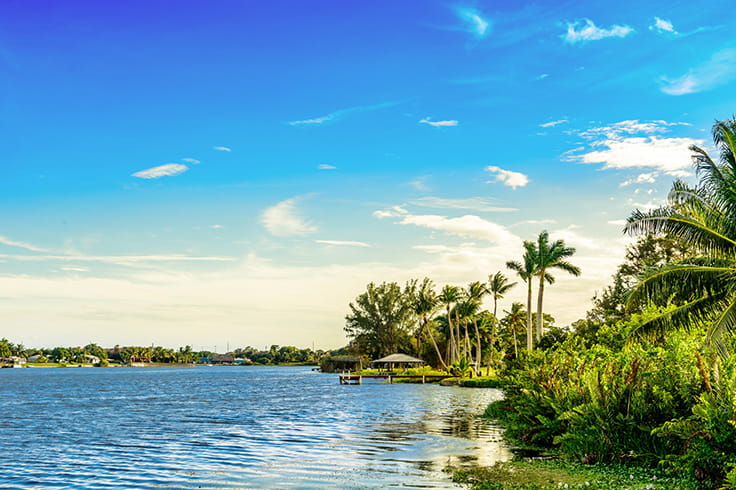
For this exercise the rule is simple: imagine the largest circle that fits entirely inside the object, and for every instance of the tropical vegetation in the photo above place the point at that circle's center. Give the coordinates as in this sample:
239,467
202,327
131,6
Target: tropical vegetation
647,379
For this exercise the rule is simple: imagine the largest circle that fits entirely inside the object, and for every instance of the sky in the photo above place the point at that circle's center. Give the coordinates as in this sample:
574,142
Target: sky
235,172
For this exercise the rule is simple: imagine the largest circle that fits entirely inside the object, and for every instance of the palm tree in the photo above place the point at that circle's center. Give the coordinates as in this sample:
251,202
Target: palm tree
703,218
448,296
425,303
498,286
526,272
546,256
476,290
513,320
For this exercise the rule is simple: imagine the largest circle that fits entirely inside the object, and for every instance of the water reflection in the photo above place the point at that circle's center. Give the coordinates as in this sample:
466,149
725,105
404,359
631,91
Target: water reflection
236,428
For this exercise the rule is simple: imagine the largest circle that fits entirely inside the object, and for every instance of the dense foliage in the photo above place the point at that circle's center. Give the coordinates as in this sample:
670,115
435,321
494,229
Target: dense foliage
648,377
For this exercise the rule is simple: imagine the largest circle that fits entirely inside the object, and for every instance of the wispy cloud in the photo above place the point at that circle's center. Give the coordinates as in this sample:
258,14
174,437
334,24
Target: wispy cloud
14,243
718,70
439,124
341,243
392,212
420,184
481,204
662,26
542,76
645,178
474,22
582,31
635,144
552,124
507,177
221,148
283,219
467,226
168,170
127,260
324,166
193,161
339,114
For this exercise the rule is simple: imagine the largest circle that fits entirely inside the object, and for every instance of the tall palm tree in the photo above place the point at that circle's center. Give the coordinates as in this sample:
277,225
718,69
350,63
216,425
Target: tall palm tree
425,303
448,296
476,291
498,286
526,271
513,320
547,256
465,311
702,217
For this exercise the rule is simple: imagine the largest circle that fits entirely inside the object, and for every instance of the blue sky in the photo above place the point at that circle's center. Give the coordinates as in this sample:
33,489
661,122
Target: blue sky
237,171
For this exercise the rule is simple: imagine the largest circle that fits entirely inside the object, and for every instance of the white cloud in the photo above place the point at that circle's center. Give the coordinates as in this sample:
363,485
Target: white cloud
662,25
617,222
334,116
170,169
474,22
508,177
542,76
283,219
392,212
439,124
585,30
468,226
552,124
193,161
74,269
221,148
216,227
482,204
666,154
324,166
343,243
634,144
27,246
718,70
535,222
125,260
576,239
645,178
420,184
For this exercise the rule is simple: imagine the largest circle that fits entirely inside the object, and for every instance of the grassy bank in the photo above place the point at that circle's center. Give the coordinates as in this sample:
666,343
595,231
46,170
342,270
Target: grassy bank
537,474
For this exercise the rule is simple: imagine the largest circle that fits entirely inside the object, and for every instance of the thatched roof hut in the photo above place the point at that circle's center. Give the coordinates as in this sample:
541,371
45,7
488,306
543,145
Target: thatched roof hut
398,361
334,364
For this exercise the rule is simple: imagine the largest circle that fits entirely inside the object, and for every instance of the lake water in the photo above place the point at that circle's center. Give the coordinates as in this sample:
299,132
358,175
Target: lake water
235,427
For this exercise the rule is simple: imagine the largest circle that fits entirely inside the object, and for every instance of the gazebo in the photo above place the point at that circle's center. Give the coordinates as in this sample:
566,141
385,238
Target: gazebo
397,361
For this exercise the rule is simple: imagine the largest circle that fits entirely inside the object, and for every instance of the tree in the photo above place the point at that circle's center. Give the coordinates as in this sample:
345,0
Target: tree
526,271
448,296
476,290
703,218
547,256
424,302
514,322
380,317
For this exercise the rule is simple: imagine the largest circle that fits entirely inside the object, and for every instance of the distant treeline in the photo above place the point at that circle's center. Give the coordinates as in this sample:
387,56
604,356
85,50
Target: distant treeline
94,354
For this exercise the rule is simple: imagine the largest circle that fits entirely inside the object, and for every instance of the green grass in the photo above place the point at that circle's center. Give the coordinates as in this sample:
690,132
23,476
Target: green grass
538,474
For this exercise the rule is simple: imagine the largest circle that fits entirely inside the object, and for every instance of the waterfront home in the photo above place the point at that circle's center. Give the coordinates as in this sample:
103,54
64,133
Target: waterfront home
397,361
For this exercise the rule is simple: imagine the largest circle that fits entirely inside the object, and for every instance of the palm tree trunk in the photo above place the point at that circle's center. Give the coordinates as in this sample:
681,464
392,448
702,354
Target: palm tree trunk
529,333
434,343
467,341
516,351
477,345
451,338
540,296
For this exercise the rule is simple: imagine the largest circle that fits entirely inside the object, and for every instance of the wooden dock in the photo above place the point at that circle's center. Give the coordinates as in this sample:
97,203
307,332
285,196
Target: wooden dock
357,379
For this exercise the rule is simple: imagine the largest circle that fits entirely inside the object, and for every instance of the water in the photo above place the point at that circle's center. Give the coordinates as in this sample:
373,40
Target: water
235,427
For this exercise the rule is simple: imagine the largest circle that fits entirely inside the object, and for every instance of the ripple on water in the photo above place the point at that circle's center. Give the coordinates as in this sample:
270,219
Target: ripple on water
235,428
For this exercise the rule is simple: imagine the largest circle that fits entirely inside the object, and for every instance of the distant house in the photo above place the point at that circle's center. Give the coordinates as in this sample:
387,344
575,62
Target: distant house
223,359
341,364
90,359
12,361
397,361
